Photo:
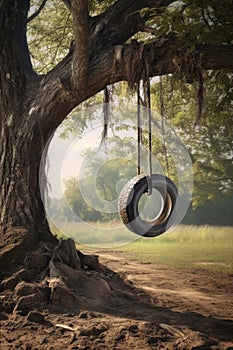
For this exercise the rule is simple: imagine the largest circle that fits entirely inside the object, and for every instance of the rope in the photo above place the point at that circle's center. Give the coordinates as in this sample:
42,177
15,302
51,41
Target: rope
162,111
139,133
139,129
149,137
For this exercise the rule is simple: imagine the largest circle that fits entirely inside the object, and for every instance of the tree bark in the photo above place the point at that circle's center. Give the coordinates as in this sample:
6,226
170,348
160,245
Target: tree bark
22,136
81,41
20,200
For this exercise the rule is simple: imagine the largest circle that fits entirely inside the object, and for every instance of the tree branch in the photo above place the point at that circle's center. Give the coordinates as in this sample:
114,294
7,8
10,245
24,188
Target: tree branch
81,40
37,12
216,56
122,20
111,65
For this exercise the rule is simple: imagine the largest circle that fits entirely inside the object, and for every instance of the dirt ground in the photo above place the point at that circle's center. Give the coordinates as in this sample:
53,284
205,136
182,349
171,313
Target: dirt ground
151,307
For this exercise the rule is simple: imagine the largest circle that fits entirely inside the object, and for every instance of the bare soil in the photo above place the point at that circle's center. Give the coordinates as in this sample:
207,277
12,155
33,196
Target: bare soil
124,305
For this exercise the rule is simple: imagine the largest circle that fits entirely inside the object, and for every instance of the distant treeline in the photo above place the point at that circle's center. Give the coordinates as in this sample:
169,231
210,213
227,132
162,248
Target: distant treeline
217,213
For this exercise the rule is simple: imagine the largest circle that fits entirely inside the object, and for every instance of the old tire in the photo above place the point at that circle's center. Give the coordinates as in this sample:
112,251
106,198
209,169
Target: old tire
129,201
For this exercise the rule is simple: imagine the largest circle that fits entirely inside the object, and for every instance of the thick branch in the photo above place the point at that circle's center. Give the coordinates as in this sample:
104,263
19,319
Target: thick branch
216,56
81,39
122,20
112,65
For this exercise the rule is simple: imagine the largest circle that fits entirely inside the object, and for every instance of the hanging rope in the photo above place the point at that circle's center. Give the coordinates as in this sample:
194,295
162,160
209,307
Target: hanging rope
106,113
139,128
162,111
149,136
139,131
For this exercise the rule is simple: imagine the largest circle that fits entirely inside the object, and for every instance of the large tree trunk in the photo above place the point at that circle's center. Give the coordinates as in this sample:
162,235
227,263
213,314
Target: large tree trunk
23,220
22,215
20,200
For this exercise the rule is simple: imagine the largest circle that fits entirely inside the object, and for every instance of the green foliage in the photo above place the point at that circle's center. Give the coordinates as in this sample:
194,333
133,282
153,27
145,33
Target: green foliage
76,202
111,174
78,121
210,22
96,7
217,212
210,144
195,22
192,22
105,235
108,181
58,210
49,35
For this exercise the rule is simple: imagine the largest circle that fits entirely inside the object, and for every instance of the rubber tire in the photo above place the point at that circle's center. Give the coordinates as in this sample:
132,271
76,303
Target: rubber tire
129,199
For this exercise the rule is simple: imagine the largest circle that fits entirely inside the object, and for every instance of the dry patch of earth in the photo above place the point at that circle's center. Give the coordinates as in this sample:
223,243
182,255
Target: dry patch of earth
130,305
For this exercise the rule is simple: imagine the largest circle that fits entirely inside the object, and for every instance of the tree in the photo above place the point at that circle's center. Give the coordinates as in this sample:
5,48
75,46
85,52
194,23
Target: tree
104,49
78,205
109,180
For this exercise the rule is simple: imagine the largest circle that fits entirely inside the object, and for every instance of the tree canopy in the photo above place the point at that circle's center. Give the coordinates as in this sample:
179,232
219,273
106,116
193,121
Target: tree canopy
171,36
182,38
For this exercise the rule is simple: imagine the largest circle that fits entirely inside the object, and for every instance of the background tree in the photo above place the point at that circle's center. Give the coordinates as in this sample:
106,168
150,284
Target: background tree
103,49
209,143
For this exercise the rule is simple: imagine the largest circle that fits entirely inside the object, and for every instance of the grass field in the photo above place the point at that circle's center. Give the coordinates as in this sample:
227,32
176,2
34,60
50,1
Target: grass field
193,247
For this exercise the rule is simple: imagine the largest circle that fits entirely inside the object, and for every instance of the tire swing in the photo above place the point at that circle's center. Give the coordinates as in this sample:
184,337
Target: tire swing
132,192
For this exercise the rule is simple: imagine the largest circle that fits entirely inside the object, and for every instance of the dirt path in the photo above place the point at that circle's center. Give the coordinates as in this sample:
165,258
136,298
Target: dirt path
165,308
179,290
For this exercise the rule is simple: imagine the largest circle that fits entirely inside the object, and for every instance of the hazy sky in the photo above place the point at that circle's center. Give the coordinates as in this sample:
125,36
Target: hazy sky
65,157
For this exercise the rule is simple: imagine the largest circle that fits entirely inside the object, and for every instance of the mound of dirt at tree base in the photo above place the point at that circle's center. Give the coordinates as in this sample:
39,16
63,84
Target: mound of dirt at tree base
61,298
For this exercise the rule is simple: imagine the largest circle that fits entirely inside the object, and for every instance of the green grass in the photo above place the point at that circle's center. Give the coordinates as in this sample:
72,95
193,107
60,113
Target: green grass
99,235
193,247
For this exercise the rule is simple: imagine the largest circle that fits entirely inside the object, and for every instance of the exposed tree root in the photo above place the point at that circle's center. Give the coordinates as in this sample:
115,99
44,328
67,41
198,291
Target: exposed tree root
65,299
13,247
58,277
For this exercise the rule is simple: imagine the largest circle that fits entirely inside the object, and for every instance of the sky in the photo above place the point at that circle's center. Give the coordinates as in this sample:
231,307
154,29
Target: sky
65,158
